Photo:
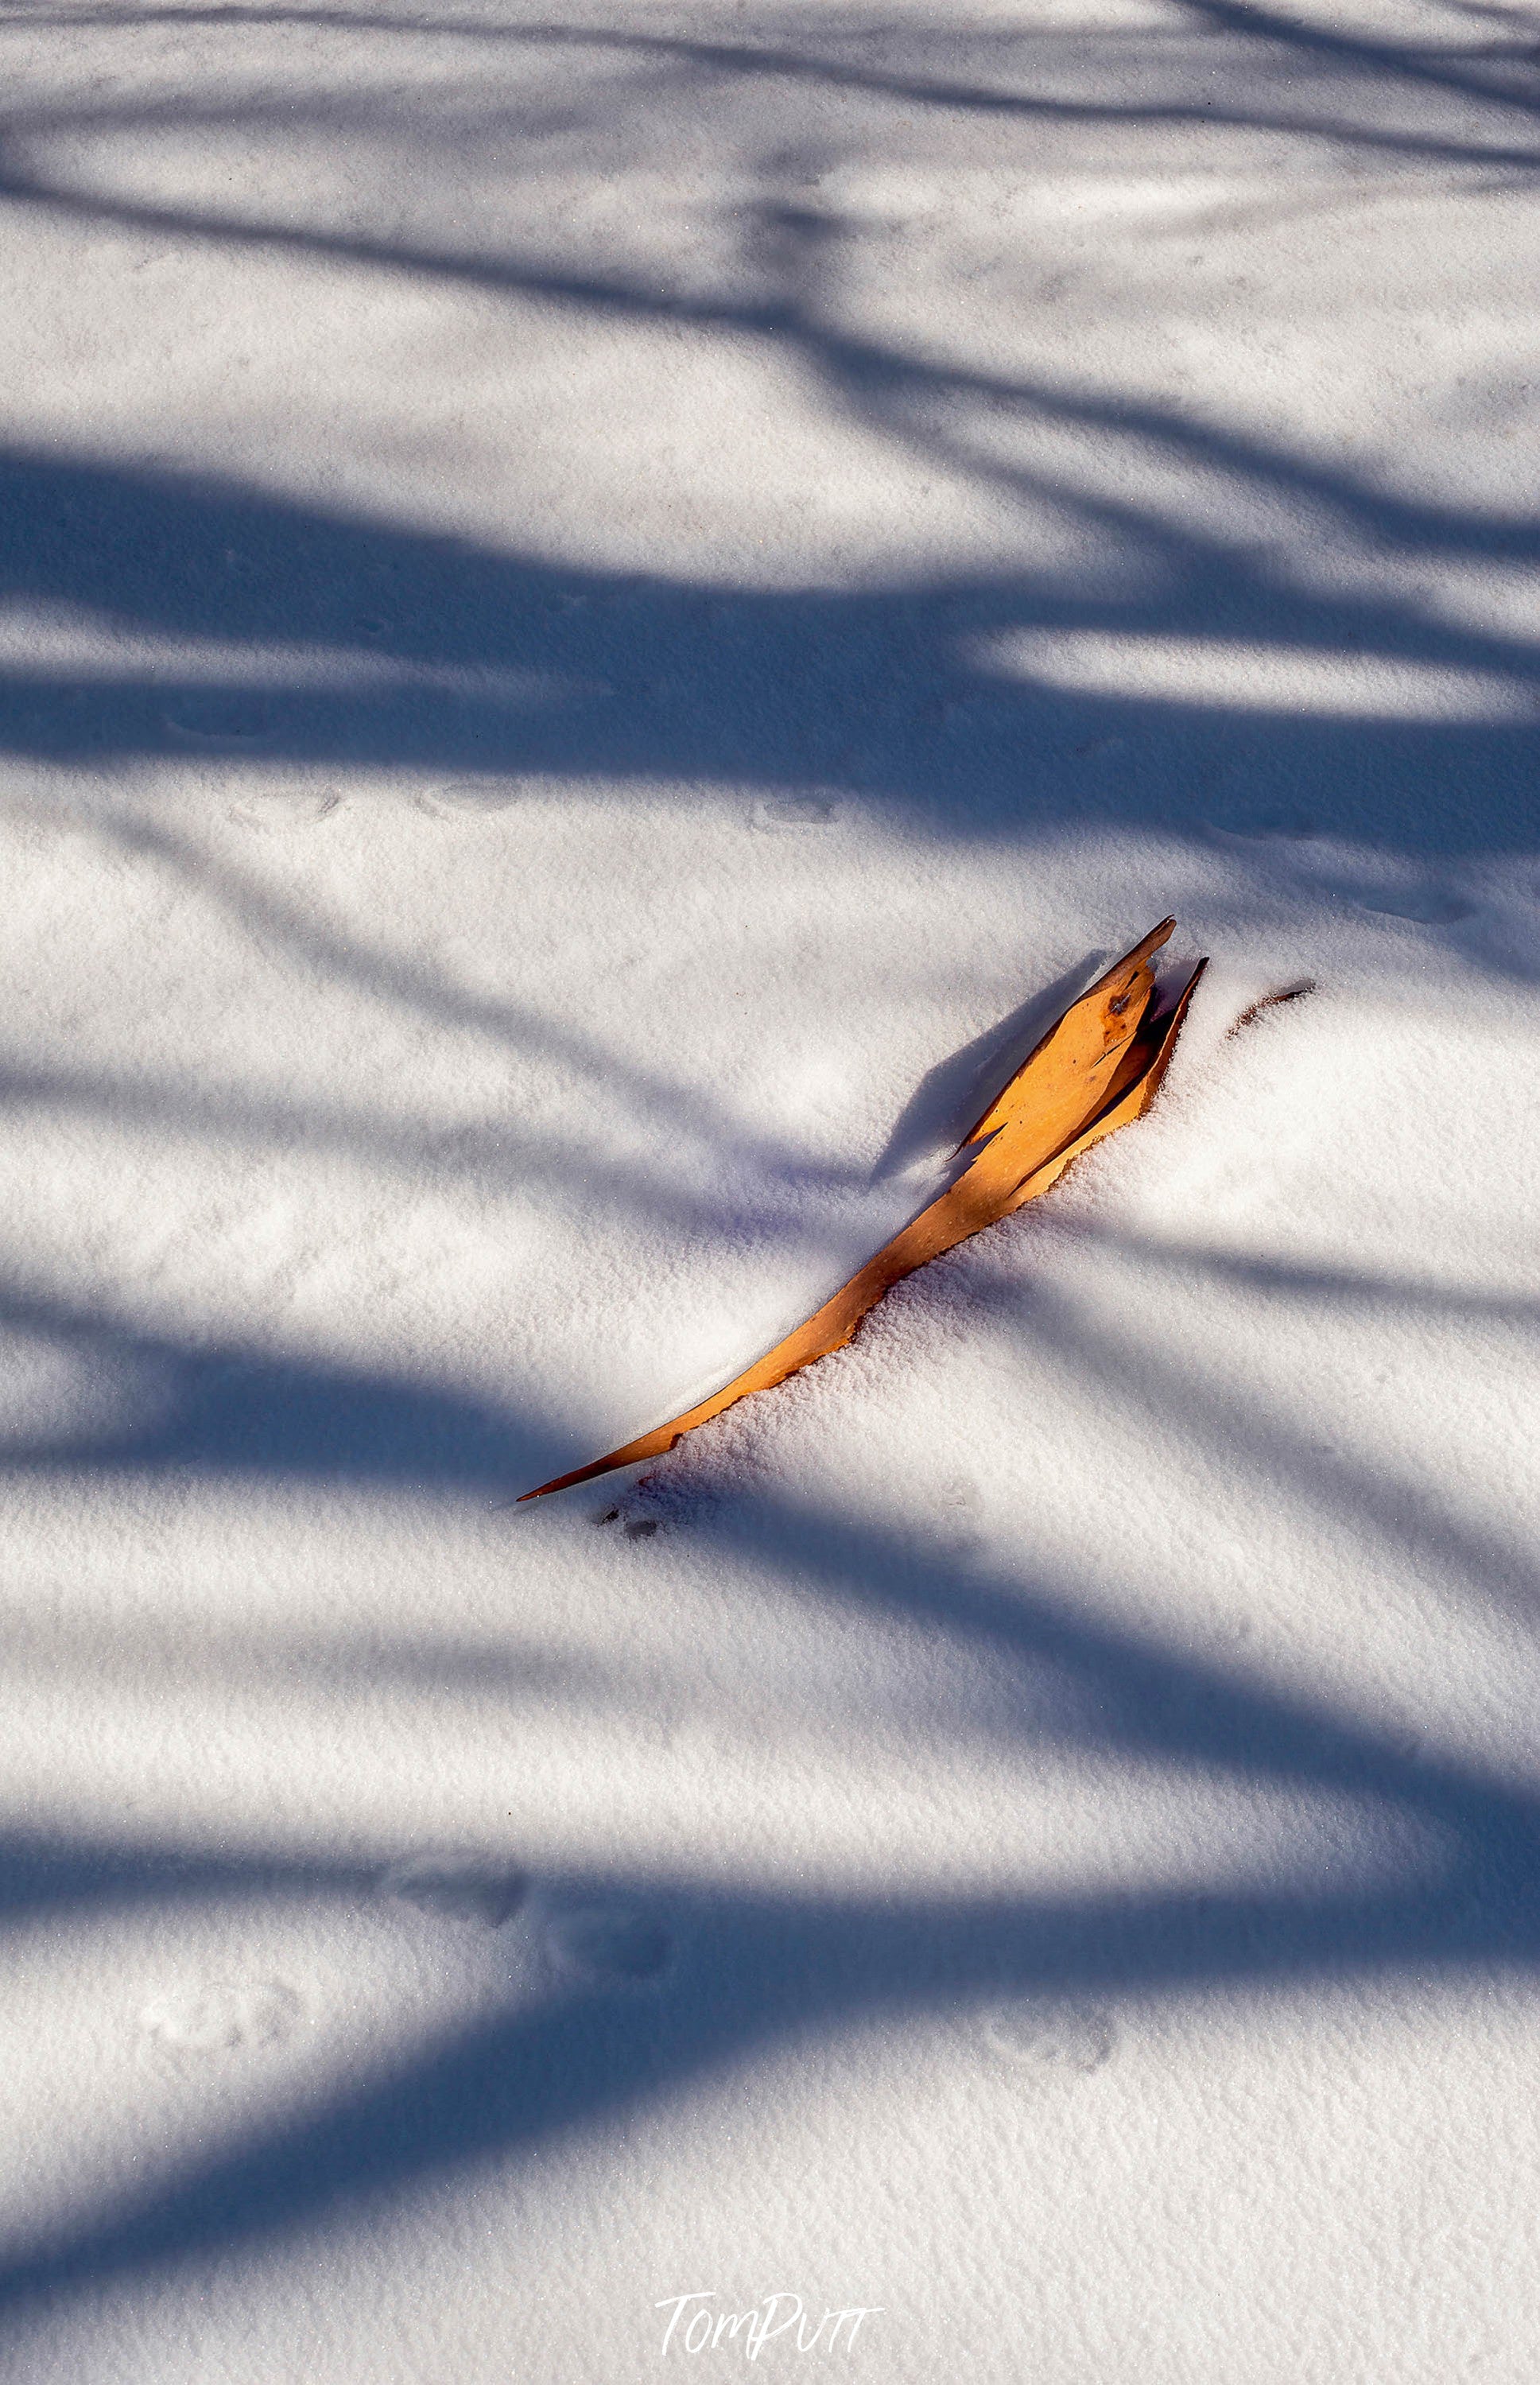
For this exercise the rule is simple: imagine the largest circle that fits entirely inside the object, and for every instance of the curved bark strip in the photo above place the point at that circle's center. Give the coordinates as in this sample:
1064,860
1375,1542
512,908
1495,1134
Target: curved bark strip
1097,1069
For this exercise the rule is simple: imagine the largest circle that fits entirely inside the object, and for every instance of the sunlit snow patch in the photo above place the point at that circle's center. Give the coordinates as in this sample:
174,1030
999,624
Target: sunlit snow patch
1251,676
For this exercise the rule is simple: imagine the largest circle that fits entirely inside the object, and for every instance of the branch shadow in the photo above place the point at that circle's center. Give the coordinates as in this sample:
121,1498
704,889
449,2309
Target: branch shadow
752,1975
695,684
652,677
226,1410
1398,1510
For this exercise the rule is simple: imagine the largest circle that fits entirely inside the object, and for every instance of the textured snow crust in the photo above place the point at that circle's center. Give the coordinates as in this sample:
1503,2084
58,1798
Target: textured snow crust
601,616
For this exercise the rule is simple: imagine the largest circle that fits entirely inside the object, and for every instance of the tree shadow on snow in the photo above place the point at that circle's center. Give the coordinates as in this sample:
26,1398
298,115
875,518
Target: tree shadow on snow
424,655
707,1980
333,643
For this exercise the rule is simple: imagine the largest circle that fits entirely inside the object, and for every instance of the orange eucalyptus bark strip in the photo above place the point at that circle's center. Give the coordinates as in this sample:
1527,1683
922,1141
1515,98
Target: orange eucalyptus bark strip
1096,1070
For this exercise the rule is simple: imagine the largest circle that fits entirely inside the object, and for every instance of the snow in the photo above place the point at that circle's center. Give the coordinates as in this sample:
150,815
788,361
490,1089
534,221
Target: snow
600,618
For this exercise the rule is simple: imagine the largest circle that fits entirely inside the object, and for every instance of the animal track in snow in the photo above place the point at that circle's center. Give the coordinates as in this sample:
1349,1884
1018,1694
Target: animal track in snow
1033,2035
285,807
467,799
609,1946
457,1889
955,1533
795,811
220,717
1428,908
223,2021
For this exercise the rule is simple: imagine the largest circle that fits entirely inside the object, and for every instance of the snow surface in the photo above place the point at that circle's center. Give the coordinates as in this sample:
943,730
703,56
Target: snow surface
601,613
